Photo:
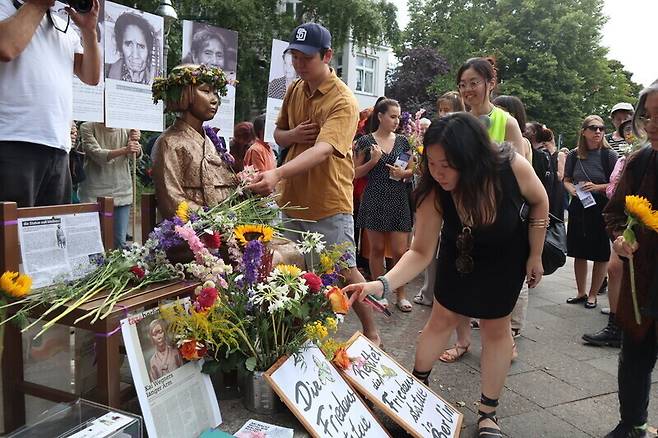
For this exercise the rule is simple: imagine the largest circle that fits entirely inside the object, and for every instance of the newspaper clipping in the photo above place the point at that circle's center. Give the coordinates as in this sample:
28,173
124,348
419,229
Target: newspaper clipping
255,428
216,47
177,399
57,248
282,74
133,58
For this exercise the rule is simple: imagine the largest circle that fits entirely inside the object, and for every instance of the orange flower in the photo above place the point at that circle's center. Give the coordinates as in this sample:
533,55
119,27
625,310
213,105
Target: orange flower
338,300
192,350
341,359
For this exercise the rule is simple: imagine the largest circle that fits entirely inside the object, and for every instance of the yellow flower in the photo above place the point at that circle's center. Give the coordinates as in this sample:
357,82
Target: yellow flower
183,211
289,270
15,284
420,149
332,324
316,331
245,233
329,347
641,210
326,264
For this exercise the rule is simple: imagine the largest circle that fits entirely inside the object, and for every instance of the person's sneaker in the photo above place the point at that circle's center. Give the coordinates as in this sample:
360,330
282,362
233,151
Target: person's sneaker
623,431
605,310
604,287
609,336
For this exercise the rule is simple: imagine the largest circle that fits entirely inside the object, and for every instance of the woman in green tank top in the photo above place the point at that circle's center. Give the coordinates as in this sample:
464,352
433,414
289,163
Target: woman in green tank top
476,79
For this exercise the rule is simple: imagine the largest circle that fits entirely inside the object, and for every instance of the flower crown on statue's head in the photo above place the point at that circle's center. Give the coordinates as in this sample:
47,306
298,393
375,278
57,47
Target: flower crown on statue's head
170,89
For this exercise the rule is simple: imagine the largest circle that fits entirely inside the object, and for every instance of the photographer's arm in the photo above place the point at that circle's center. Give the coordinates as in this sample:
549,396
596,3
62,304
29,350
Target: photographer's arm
87,66
17,30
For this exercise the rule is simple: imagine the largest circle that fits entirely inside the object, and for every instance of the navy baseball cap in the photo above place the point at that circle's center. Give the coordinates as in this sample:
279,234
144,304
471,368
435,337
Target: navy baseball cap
309,38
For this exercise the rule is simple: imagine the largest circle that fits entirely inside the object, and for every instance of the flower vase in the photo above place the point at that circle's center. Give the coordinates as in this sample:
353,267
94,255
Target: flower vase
225,384
258,396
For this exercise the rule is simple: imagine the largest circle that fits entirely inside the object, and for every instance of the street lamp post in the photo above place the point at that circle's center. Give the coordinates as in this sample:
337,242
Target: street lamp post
166,10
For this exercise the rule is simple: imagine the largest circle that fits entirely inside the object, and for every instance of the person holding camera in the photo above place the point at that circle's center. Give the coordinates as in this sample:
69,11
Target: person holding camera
39,53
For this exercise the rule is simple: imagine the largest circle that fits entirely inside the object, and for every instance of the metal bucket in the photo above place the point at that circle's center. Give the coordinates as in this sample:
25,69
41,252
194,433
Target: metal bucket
258,396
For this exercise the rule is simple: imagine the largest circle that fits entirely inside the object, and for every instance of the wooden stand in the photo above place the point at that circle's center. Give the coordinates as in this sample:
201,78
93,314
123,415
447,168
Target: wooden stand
108,336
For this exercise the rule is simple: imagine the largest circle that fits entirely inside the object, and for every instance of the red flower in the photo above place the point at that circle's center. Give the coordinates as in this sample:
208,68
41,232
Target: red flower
313,282
192,350
212,241
138,272
206,298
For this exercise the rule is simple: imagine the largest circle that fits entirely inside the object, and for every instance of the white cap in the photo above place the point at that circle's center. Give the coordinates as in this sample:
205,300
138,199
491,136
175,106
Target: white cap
622,106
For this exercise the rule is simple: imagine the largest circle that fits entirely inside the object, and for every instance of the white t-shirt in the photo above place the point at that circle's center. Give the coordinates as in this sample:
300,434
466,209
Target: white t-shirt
36,88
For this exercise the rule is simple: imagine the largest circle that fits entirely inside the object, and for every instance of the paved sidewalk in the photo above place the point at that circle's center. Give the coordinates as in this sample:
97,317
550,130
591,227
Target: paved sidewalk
558,387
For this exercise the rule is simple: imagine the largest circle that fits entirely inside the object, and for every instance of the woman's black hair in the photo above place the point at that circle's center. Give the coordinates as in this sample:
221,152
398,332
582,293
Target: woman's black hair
128,19
514,106
469,150
381,107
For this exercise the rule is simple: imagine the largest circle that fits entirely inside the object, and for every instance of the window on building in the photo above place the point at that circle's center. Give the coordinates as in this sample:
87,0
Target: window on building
337,64
365,74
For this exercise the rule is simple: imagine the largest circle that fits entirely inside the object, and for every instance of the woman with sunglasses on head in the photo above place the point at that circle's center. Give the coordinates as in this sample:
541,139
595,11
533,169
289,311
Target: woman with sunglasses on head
468,200
638,346
586,177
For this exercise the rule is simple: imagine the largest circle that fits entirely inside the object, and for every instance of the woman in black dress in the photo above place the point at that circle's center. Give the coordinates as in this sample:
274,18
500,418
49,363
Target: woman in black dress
588,169
385,210
472,188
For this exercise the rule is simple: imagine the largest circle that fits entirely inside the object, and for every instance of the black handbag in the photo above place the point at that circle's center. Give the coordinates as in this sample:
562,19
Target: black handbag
76,165
554,254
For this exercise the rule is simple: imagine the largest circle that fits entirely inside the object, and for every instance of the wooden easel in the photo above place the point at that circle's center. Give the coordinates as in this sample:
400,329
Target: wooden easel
108,337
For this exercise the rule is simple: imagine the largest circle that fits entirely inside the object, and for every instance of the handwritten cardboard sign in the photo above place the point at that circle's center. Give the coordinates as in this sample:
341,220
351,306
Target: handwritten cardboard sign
320,398
400,395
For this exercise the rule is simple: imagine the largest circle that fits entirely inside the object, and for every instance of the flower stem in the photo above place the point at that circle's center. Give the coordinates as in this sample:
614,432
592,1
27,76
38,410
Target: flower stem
636,307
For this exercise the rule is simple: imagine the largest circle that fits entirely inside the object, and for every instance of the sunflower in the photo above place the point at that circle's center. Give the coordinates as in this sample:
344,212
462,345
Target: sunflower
182,211
289,270
15,284
641,210
245,233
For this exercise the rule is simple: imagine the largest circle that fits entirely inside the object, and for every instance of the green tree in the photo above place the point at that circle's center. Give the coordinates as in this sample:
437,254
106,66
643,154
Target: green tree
548,53
259,21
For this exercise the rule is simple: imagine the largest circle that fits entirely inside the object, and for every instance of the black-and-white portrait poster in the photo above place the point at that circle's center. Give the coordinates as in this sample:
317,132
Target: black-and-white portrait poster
87,99
282,74
217,47
133,58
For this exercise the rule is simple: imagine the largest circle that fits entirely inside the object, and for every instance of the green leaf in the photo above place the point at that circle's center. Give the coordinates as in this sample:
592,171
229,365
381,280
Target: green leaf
211,367
250,364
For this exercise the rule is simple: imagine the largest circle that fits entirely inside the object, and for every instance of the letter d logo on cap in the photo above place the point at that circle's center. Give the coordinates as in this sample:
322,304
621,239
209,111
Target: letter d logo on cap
301,35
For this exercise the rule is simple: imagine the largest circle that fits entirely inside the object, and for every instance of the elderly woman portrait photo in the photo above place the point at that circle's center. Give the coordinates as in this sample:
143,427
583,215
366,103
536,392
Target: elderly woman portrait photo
136,45
211,46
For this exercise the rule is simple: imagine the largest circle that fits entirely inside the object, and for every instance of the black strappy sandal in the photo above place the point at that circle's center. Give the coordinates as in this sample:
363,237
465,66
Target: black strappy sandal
488,432
423,376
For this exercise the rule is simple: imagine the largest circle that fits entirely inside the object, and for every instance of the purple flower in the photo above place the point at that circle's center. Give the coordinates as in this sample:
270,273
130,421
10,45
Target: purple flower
219,143
251,258
329,279
166,235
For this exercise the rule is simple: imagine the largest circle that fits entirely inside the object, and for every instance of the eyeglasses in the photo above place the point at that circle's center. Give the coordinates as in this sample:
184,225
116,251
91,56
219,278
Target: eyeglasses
595,128
646,120
464,263
466,86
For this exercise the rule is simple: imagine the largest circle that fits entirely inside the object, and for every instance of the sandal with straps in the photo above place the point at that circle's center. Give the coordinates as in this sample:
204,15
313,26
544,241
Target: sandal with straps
488,432
449,357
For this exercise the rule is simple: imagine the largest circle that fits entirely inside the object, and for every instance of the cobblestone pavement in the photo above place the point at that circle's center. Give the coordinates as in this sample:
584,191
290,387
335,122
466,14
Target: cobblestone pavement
558,387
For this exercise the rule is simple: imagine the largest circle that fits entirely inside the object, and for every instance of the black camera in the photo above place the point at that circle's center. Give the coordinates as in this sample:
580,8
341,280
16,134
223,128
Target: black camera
82,6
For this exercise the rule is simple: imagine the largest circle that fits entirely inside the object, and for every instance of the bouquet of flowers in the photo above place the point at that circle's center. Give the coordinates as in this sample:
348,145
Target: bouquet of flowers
257,313
121,272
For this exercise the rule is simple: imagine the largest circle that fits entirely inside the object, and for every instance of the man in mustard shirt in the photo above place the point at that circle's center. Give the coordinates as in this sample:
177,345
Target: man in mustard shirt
317,123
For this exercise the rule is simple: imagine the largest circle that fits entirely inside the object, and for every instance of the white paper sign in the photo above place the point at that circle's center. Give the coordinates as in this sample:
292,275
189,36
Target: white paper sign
177,399
282,74
319,397
58,248
254,427
400,395
586,198
133,58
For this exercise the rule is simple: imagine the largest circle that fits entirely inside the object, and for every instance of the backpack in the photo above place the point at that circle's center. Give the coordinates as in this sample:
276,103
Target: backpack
543,164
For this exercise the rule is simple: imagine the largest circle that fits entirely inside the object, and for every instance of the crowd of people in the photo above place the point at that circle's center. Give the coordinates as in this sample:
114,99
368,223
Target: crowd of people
466,199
